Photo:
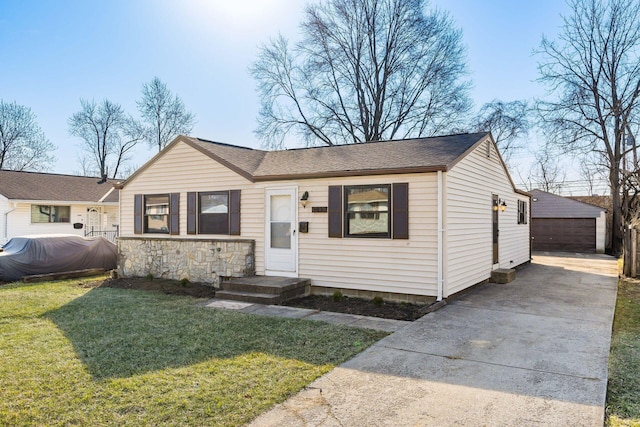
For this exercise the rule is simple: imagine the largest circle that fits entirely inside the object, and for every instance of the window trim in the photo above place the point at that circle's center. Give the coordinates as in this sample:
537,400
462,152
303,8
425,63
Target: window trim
233,212
345,213
68,220
522,212
145,223
199,213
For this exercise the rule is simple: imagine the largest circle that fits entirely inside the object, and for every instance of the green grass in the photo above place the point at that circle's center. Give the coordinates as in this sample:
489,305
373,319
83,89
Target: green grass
76,356
623,391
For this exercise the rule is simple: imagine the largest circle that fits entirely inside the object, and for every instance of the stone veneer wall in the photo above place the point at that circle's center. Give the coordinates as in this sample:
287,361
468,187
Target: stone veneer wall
197,260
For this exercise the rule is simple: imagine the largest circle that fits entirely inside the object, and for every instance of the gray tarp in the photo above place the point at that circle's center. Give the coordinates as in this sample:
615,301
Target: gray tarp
29,255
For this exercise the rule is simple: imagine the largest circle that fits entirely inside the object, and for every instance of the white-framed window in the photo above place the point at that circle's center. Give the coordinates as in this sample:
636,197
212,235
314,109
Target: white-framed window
156,213
49,213
523,214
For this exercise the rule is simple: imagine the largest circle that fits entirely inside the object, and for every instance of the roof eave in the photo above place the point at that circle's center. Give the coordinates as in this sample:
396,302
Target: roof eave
468,150
489,136
190,142
63,202
220,160
339,174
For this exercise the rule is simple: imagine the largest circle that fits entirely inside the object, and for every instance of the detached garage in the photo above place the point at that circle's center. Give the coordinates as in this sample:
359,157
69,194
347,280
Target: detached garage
566,225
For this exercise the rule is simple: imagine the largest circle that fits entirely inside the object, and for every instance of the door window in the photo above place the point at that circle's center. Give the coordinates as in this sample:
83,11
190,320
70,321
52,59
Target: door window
280,221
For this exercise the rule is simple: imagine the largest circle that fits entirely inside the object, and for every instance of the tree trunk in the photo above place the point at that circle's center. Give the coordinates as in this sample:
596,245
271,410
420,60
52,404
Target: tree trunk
616,215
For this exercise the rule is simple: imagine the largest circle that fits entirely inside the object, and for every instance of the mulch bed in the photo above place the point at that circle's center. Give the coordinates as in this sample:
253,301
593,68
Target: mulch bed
386,310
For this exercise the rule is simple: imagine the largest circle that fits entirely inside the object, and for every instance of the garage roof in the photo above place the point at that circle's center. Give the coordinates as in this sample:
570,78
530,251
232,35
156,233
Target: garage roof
547,205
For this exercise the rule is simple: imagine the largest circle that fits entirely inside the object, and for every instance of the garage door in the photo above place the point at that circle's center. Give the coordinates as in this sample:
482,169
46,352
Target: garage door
564,234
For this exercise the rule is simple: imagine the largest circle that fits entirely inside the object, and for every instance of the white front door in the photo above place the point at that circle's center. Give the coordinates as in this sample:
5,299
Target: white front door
281,234
94,218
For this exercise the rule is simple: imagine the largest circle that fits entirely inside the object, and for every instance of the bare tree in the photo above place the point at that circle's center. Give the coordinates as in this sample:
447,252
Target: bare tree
588,175
593,171
131,133
86,166
108,135
23,145
547,174
507,122
164,114
594,71
364,70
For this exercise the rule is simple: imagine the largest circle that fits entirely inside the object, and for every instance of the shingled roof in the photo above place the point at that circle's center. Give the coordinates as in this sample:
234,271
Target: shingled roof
54,187
371,158
547,205
419,154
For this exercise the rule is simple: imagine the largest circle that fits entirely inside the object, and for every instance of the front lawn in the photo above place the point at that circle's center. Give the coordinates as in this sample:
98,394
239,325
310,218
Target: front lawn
623,392
74,355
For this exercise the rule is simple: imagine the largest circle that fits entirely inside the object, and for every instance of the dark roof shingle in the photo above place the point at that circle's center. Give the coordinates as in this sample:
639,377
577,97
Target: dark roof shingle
16,185
433,153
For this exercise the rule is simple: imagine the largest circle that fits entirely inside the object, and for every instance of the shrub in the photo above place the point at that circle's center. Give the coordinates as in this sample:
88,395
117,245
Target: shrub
149,276
184,281
378,300
337,296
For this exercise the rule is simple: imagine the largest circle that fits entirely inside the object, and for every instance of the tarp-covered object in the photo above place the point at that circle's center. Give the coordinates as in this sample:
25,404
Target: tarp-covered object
29,255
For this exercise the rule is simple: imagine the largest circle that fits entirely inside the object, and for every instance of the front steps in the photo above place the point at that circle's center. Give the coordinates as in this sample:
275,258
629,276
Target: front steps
503,275
263,289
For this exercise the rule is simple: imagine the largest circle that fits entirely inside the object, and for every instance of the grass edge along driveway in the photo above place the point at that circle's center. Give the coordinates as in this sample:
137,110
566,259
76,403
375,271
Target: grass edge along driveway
73,355
623,389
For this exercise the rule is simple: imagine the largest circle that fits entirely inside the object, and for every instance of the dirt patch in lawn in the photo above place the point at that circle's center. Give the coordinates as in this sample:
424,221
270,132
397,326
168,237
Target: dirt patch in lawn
170,287
386,310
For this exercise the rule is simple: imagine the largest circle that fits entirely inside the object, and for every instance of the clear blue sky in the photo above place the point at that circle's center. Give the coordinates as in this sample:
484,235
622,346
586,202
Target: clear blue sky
54,53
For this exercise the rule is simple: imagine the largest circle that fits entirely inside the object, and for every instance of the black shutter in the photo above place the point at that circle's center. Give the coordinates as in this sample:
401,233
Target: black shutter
400,201
234,212
192,207
335,211
137,213
174,213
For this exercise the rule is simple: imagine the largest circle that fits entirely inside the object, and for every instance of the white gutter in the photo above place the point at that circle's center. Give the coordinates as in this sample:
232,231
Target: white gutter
6,222
440,233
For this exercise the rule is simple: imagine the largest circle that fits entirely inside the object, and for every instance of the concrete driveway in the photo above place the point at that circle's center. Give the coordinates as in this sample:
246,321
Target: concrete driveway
529,353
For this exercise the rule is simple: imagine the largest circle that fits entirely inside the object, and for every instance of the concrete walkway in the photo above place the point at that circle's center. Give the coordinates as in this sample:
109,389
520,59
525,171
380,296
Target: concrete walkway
366,322
529,353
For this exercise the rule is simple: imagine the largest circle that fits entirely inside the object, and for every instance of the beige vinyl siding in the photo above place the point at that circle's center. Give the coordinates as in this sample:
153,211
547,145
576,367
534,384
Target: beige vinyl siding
468,220
19,221
376,264
386,265
184,169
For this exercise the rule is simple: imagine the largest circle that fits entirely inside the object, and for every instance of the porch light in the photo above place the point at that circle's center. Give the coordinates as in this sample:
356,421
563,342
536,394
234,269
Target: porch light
304,199
503,205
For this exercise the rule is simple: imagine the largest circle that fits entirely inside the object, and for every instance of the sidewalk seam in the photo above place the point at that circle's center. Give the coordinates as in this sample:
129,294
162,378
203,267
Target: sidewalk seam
490,363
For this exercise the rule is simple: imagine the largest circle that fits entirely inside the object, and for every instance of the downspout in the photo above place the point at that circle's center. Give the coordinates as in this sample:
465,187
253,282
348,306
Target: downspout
6,223
440,239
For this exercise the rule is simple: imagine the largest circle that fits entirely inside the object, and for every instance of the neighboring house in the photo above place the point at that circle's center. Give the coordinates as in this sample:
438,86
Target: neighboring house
43,203
414,217
562,224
